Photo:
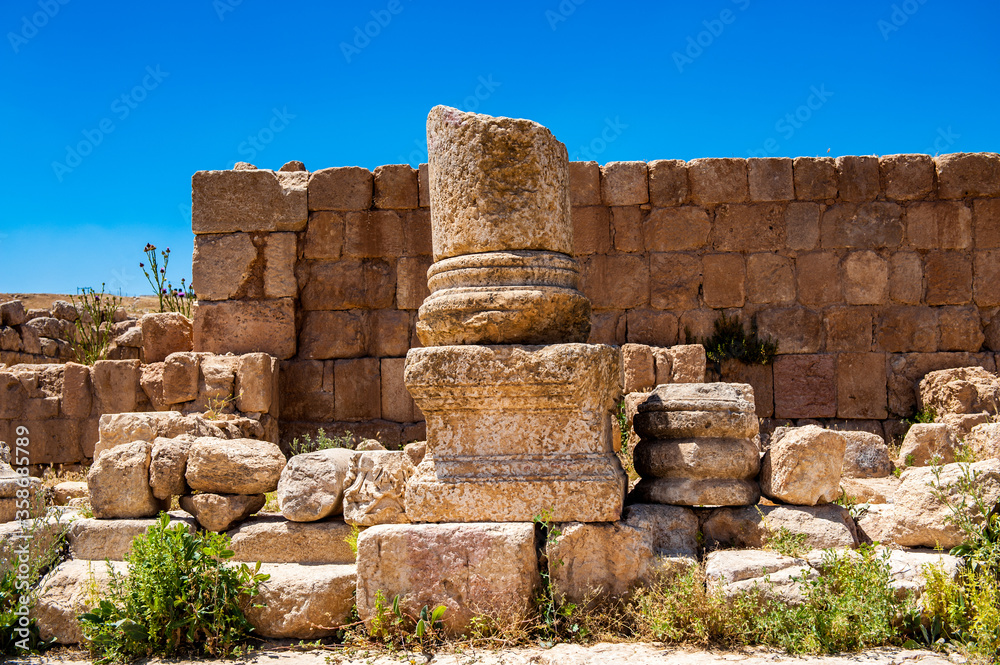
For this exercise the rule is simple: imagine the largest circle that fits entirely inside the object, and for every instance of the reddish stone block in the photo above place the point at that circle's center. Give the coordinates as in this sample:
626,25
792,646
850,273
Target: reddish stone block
340,188
818,275
388,333
624,184
796,329
987,278
802,225
618,281
907,177
315,407
857,177
627,228
986,223
866,279
77,391
815,178
374,234
116,385
770,179
300,377
724,280
907,329
55,442
961,329
605,327
584,184
758,227
848,328
676,229
939,225
417,232
397,404
332,335
650,326
424,186
699,322
963,174
904,372
280,256
246,326
906,278
349,284
411,281
395,187
861,386
668,182
358,391
718,180
591,230
949,278
324,235
770,279
865,226
638,368
760,378
675,280
805,386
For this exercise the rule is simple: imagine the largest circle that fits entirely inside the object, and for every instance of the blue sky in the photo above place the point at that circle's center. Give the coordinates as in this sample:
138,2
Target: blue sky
109,107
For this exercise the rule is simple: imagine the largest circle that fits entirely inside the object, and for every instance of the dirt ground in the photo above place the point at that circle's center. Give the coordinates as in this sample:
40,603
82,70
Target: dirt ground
135,305
561,654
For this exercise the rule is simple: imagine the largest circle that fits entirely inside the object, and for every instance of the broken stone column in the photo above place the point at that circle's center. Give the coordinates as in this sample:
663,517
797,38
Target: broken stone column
514,429
698,446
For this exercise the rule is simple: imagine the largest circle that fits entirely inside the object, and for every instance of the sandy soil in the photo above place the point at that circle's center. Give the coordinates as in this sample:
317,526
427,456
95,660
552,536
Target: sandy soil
135,305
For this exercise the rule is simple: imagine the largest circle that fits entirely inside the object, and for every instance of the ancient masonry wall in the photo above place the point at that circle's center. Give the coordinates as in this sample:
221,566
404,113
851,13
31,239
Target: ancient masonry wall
869,271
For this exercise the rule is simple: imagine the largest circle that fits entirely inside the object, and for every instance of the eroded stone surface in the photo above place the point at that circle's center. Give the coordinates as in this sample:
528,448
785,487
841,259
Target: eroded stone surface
119,482
66,593
926,442
303,601
234,466
803,467
168,463
767,573
960,390
865,455
312,485
985,441
220,512
97,539
376,487
273,539
752,526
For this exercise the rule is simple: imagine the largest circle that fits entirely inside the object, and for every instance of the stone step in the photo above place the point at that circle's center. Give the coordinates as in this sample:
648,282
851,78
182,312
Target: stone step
270,538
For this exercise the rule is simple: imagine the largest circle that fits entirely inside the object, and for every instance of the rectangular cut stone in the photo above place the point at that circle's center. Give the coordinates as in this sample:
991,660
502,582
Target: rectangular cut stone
676,229
675,281
349,284
652,327
857,177
771,179
333,335
626,224
760,377
229,201
805,386
986,223
861,386
279,261
395,187
718,180
907,177
591,230
411,281
357,389
865,226
397,405
324,235
246,326
513,431
624,183
584,184
340,188
668,182
724,280
256,380
815,178
759,227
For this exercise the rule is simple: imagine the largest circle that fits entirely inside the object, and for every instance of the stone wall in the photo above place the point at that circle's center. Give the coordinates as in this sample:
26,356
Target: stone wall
869,271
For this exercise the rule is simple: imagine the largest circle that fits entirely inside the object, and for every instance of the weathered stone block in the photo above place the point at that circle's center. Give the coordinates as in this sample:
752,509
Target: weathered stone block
65,594
770,279
349,284
591,230
256,380
675,281
718,180
949,278
303,602
797,329
471,569
165,333
907,329
986,223
906,278
857,177
759,377
97,539
724,280
848,328
389,333
962,174
939,225
926,444
668,182
116,385
640,370
12,313
805,386
357,391
676,229
259,200
601,280
220,512
624,183
584,184
222,265
652,327
906,370
119,482
907,177
770,179
340,188
818,275
233,466
803,466
411,282
77,392
626,225
280,254
827,526
758,227
417,232
423,185
986,285
333,335
802,225
324,237
373,234
866,279
375,487
246,326
273,539
961,329
397,405
861,386
180,377
815,178
864,226
395,187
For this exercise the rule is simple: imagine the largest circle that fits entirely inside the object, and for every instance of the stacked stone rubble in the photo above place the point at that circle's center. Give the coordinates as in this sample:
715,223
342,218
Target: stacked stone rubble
698,446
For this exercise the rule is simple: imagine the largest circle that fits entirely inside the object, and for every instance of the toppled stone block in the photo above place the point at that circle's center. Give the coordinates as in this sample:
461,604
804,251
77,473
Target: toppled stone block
471,569
220,512
770,574
168,463
985,441
303,602
925,443
376,488
906,569
180,377
121,428
803,467
66,491
256,383
865,455
959,390
869,490
273,539
67,592
312,485
751,527
165,333
119,482
234,466
12,313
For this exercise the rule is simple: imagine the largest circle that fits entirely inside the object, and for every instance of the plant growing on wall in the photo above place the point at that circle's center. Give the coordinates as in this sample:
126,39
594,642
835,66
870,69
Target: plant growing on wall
731,341
171,299
93,326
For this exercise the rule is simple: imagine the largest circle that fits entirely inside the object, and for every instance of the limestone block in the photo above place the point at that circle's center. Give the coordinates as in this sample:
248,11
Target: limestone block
504,297
819,280
869,490
866,279
961,329
770,279
64,492
724,282
116,384
857,177
67,592
803,467
668,182
246,326
926,442
802,225
234,466
471,569
770,179
514,430
312,485
939,225
907,177
640,370
770,574
987,279
280,254
256,381
960,390
97,539
46,326
985,441
687,363
10,339
411,281
395,187
584,184
624,183
496,184
676,229
865,455
907,329
357,389
222,265
180,377
815,178
121,428
652,327
805,386
303,602
220,512
273,539
861,385
168,463
77,393
717,410
340,188
921,519
674,282
757,227
348,284
12,313
375,487
697,458
119,482
961,175
869,225
324,237
626,224
751,526
986,223
718,180
258,200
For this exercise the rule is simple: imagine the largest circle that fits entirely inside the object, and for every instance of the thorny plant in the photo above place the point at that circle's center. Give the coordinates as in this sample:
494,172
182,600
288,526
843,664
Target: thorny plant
171,299
92,340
